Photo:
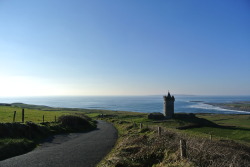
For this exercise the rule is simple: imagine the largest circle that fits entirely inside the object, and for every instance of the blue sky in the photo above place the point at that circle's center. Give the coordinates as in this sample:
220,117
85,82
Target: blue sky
130,47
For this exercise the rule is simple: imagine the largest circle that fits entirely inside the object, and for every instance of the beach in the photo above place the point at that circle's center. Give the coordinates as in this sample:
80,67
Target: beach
238,106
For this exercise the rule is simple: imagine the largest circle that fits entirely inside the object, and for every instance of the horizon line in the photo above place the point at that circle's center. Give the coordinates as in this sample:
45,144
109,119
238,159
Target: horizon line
121,95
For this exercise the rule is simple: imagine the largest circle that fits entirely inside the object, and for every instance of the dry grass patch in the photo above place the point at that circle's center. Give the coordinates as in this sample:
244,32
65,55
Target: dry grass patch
145,148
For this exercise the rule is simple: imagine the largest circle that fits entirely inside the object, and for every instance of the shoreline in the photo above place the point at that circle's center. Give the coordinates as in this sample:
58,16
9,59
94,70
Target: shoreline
236,106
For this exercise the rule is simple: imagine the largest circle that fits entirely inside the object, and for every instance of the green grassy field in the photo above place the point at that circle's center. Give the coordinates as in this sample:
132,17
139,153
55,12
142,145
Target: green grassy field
228,120
143,146
34,115
235,127
221,126
17,138
137,147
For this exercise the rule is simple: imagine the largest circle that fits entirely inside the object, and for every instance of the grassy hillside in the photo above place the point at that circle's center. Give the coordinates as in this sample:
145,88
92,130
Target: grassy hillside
143,146
220,126
34,115
234,127
212,140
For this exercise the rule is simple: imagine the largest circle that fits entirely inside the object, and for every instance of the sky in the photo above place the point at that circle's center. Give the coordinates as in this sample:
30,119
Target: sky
125,47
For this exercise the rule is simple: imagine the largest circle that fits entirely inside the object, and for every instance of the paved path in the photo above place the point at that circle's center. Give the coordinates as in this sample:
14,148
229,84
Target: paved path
73,150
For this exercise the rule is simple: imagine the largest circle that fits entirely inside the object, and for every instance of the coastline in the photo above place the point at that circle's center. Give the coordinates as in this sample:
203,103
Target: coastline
237,106
128,124
142,104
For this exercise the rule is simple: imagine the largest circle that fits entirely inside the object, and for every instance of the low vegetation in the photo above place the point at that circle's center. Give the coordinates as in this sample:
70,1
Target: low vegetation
76,122
211,139
144,147
230,127
17,138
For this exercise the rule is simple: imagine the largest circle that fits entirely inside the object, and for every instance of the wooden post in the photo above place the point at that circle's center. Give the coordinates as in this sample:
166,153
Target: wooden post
14,117
23,115
43,118
159,131
55,118
140,125
211,137
183,149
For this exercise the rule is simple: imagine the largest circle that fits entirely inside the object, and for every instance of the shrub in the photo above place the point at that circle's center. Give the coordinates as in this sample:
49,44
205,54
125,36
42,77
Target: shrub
156,116
75,122
29,130
13,147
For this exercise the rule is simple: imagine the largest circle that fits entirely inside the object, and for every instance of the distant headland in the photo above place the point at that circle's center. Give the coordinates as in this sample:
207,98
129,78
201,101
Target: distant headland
238,106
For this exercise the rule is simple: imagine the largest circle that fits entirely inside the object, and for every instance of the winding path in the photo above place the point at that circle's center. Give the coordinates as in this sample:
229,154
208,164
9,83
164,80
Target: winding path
72,150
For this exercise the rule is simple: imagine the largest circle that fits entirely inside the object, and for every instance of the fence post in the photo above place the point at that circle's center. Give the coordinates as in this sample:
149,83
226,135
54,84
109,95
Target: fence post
14,117
134,124
23,115
43,118
159,131
140,125
183,148
211,137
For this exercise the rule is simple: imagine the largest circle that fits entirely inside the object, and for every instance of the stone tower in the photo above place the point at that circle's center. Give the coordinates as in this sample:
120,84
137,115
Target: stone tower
168,107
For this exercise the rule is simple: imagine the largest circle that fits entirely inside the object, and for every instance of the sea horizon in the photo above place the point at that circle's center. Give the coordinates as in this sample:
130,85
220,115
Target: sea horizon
135,103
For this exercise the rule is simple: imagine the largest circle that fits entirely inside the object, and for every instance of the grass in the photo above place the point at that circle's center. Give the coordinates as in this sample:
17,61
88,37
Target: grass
233,127
17,138
227,119
236,134
143,147
221,126
34,115
12,147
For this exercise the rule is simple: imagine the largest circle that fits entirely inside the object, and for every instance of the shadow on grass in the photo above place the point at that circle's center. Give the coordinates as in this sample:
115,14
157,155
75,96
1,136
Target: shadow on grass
191,121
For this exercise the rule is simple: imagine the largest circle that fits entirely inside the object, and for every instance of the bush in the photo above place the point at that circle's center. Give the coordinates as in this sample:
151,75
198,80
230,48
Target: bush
19,138
29,130
14,147
75,122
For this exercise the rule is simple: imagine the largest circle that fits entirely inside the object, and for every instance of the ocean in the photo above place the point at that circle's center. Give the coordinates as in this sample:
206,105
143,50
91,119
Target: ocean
145,104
